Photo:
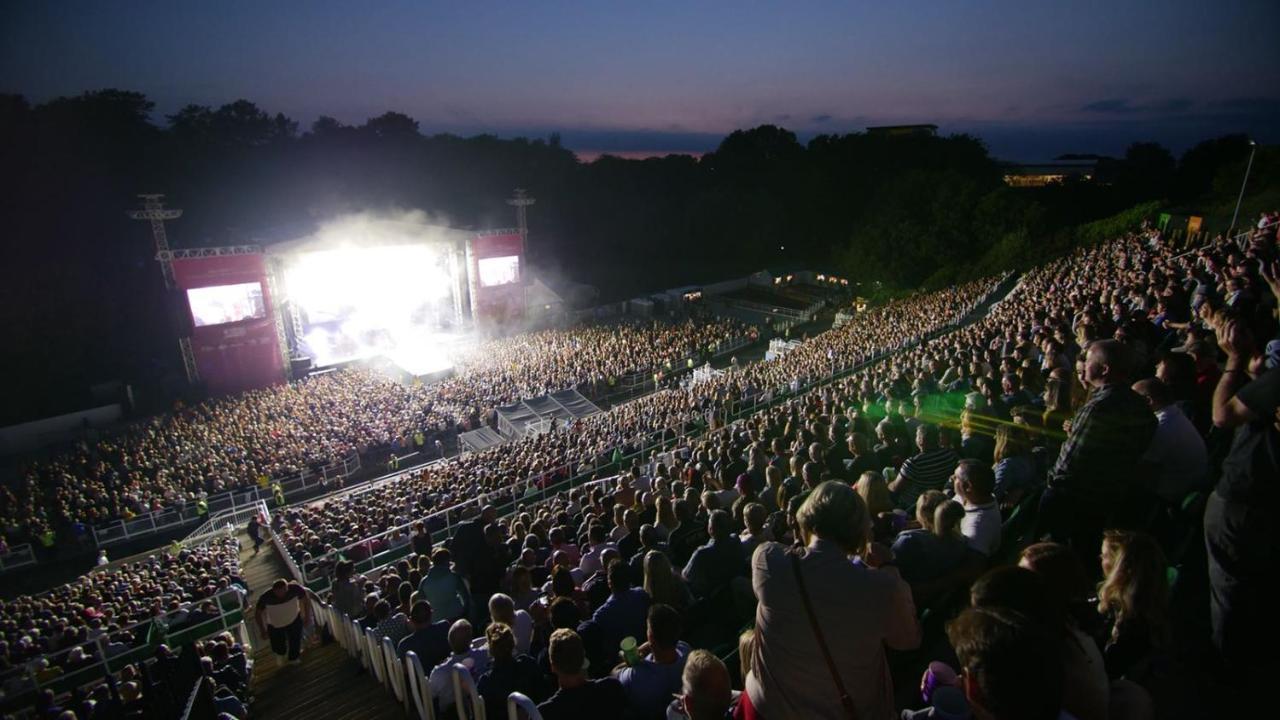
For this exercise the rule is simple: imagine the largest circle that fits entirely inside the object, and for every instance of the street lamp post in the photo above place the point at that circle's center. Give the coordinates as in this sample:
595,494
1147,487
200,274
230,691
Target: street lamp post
1253,148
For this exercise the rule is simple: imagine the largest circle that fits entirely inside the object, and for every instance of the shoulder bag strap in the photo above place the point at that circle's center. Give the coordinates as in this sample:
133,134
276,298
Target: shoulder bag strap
850,711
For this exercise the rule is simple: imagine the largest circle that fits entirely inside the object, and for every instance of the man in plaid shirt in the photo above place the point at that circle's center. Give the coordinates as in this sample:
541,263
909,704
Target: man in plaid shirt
1097,465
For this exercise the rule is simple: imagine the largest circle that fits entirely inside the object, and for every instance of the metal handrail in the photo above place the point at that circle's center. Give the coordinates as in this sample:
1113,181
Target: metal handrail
519,701
174,516
229,603
18,556
464,691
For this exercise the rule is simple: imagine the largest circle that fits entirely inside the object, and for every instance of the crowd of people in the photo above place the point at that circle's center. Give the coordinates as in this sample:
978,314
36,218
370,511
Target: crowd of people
114,611
939,509
317,534
263,435
1040,477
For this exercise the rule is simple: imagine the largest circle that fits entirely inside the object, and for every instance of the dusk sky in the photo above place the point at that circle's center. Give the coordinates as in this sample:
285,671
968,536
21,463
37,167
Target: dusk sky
1034,79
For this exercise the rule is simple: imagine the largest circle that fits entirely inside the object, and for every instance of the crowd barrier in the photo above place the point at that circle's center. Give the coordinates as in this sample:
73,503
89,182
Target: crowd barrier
22,682
177,516
228,522
17,556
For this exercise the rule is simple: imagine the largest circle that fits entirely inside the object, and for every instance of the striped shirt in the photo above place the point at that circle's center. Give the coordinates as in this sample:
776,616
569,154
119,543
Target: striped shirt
929,470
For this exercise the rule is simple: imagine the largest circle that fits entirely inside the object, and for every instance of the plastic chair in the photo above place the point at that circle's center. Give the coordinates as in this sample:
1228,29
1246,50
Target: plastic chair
374,650
464,692
395,671
418,688
517,702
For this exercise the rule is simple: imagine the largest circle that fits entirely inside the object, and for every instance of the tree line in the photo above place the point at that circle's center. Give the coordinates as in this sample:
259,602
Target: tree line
83,299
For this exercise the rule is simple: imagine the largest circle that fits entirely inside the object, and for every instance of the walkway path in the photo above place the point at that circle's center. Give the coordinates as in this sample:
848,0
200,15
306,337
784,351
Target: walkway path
328,685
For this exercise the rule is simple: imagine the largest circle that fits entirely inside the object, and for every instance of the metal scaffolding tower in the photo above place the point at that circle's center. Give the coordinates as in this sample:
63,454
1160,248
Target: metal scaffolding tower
153,209
521,202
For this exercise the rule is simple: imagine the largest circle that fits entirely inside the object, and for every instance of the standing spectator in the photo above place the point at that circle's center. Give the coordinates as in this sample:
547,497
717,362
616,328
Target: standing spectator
1241,537
796,624
577,696
281,614
468,542
1096,466
348,596
444,589
255,533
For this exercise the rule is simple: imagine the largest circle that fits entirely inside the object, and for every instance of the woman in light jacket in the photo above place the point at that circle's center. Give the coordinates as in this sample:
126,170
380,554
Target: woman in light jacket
858,606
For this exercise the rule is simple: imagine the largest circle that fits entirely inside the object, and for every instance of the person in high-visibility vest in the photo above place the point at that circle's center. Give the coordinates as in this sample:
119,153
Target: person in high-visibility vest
202,507
393,463
47,538
419,439
278,491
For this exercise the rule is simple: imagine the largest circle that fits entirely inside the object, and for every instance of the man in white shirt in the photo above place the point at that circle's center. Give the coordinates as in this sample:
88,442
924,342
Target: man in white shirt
974,484
1177,454
476,660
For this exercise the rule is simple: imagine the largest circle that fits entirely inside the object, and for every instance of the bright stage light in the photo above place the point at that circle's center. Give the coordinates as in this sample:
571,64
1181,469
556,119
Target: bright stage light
359,302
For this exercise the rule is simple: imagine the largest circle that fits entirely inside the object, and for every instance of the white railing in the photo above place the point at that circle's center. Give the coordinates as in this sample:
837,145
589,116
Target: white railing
226,523
18,556
237,499
464,694
517,702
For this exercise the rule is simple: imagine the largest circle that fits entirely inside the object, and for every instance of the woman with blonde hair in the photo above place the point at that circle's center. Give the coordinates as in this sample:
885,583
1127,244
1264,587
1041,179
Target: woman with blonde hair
663,584
1014,465
667,521
875,493
1134,598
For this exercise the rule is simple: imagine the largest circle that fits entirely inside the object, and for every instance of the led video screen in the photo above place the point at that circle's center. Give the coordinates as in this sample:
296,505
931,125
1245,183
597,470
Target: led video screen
223,304
499,270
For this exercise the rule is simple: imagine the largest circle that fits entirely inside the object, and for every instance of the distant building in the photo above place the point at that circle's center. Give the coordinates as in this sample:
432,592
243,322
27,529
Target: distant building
1031,176
903,130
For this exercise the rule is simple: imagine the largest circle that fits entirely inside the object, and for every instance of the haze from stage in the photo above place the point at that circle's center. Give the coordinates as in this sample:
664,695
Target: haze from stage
375,286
